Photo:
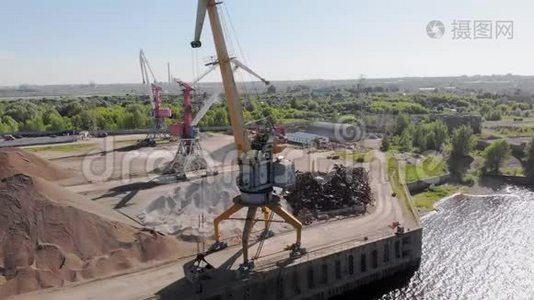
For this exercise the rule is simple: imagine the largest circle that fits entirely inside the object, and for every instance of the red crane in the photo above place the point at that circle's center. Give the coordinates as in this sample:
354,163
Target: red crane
189,154
158,113
186,129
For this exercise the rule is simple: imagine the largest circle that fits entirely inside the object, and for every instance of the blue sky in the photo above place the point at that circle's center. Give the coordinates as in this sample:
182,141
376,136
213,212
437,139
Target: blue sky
59,41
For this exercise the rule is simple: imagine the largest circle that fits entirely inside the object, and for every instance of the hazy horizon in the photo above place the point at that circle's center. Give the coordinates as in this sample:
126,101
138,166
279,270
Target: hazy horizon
281,80
70,42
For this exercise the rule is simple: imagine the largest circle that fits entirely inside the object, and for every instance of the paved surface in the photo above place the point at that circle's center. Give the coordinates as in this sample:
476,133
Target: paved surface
44,140
318,240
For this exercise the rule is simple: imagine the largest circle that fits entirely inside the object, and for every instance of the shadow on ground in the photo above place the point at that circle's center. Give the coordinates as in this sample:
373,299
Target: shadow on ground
211,280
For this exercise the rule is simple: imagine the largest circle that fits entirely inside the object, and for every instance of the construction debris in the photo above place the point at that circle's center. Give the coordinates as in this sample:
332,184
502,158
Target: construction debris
343,191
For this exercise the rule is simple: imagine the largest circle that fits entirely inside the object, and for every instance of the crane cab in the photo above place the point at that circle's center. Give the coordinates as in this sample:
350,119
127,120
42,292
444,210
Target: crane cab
284,173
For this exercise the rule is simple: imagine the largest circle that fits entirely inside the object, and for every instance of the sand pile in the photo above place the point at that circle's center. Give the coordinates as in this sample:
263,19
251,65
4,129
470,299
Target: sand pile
50,236
17,161
188,212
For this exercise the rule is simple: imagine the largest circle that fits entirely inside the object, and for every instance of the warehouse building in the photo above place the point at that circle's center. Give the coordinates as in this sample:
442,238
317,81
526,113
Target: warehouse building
337,132
304,138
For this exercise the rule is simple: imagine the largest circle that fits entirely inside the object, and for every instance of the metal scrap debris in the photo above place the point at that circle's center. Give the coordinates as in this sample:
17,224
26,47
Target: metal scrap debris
343,191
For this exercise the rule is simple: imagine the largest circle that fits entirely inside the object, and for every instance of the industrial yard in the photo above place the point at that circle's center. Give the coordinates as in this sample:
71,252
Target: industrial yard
264,150
140,200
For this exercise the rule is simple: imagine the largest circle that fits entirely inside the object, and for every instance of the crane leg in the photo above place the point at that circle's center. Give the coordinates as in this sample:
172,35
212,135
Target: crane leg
218,245
267,233
266,213
249,223
296,249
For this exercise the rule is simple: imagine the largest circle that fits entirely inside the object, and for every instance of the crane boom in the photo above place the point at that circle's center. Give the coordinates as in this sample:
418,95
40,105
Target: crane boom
239,64
213,99
201,16
232,97
145,68
209,70
204,109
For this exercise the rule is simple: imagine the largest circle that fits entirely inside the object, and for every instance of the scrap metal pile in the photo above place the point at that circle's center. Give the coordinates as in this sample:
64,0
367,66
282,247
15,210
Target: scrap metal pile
344,190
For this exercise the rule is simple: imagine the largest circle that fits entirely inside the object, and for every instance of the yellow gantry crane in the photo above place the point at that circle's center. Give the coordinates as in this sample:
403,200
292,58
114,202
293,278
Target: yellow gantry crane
259,172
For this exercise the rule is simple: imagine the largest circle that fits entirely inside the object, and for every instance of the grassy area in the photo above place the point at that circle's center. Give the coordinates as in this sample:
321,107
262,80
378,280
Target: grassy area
511,118
356,155
63,147
515,131
293,121
425,201
397,183
513,171
431,166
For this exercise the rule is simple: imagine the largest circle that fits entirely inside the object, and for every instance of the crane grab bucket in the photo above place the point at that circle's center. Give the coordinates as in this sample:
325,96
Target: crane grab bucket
201,16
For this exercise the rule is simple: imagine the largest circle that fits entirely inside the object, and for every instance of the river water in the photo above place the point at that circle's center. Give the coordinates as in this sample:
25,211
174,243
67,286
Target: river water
476,247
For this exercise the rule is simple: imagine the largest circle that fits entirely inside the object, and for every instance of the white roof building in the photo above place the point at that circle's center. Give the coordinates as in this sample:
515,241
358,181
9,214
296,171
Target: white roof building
305,138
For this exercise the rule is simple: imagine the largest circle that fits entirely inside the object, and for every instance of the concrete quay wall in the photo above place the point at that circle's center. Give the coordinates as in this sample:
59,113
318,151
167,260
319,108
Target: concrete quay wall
329,275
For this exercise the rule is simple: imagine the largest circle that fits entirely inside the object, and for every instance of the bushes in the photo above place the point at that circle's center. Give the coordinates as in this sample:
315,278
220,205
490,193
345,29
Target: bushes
386,143
494,115
8,124
462,141
430,136
529,163
495,155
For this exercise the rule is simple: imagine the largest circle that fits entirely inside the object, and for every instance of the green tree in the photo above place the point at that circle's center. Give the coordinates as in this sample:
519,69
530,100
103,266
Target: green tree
495,155
22,111
403,122
220,117
462,141
441,133
57,123
430,136
10,125
134,120
135,117
493,115
420,137
386,143
430,141
405,141
54,121
35,124
86,120
529,164
70,109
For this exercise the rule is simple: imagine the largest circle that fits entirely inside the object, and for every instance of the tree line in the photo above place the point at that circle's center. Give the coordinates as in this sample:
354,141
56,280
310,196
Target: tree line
458,144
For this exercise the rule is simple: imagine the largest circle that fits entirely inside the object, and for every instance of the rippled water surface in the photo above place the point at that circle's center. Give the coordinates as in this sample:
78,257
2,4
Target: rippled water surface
476,248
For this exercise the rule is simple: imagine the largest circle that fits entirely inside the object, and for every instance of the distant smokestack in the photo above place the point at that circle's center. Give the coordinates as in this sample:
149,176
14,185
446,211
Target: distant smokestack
169,72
